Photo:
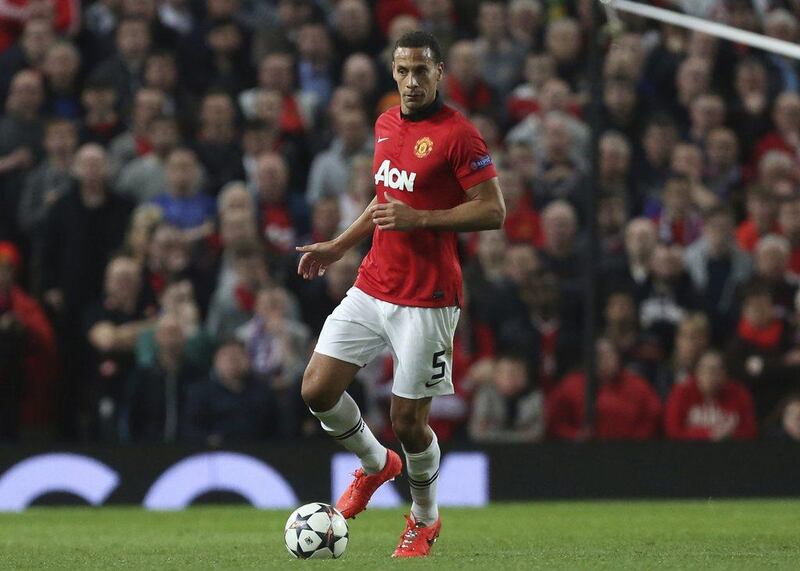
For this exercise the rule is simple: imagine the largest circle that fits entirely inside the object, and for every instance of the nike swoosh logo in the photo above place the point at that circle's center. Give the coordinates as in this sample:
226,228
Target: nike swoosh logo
430,384
382,139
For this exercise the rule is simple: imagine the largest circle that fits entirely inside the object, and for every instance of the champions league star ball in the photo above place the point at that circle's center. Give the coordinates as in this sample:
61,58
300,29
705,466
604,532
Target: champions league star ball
316,531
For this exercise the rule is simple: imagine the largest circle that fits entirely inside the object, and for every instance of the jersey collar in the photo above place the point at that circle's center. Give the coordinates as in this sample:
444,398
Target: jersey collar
426,112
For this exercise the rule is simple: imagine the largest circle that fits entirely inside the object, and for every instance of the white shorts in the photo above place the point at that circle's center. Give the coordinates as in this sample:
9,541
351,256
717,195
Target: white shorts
419,338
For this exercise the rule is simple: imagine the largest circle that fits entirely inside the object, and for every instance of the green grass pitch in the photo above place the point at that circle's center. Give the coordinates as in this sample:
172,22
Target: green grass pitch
637,535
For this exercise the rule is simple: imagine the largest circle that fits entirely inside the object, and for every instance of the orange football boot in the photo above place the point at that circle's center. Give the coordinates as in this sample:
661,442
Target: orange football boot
417,539
355,498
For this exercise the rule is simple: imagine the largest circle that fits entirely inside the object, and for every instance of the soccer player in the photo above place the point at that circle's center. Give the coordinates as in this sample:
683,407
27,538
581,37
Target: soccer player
433,177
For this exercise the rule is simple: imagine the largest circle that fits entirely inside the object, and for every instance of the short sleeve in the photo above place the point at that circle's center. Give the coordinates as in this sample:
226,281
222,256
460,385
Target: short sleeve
469,156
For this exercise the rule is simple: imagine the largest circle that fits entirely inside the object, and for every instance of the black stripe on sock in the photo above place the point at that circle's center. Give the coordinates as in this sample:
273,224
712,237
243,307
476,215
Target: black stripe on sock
352,431
423,483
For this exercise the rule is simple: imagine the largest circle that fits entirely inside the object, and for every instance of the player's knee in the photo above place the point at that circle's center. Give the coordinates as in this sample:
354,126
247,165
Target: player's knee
407,427
313,391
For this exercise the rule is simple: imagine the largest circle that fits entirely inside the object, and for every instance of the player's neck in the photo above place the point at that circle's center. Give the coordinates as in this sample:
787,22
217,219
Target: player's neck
425,112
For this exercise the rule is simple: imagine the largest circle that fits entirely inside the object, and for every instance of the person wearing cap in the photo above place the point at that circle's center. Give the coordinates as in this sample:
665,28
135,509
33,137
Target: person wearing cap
27,353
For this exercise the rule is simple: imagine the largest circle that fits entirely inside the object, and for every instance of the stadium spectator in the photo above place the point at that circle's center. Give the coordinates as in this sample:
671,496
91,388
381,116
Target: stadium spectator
559,249
44,185
183,201
178,300
28,53
330,170
771,268
161,73
230,405
692,339
666,296
651,167
216,145
21,130
27,354
315,62
123,69
560,175
522,222
723,175
297,109
463,84
677,220
543,326
232,303
621,107
61,69
786,119
353,29
155,393
707,112
101,121
627,408
718,268
500,57
758,354
359,73
621,328
788,424
277,343
145,177
761,218
82,229
484,272
538,69
508,407
611,219
135,142
564,43
614,164
279,214
710,405
640,242
751,103
113,324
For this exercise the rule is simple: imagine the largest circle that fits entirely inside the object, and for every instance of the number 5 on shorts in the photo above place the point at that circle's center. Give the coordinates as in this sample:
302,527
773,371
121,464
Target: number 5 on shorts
438,363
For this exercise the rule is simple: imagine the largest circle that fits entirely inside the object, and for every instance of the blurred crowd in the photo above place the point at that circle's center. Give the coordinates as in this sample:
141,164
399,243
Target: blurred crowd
161,159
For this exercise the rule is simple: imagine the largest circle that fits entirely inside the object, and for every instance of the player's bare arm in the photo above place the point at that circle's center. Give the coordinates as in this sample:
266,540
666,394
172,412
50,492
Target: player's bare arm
484,209
317,257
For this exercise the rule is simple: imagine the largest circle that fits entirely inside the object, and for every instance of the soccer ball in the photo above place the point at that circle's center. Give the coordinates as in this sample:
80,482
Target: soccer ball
316,531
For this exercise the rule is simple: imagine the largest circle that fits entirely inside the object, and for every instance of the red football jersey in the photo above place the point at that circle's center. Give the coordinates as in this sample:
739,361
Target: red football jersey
427,161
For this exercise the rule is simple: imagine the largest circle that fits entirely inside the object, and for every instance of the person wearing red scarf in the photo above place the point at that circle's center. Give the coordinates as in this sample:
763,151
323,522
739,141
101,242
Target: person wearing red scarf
710,406
65,16
759,353
463,84
627,407
27,354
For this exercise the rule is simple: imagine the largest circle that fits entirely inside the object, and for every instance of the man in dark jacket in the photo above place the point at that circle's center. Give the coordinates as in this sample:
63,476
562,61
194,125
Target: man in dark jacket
82,230
156,393
231,405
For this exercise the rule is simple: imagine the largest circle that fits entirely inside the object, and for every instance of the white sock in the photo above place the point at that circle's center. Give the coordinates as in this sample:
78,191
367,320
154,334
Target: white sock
423,476
344,423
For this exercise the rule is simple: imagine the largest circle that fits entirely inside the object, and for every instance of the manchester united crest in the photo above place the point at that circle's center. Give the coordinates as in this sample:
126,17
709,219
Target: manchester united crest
423,147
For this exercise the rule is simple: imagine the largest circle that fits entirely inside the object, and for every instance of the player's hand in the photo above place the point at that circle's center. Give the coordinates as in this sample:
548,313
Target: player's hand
395,215
317,257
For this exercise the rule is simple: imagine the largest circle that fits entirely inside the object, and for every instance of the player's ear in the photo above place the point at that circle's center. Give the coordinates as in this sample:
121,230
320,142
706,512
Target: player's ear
439,70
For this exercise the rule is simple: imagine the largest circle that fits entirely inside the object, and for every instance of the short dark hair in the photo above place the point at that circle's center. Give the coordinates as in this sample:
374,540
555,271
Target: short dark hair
420,39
